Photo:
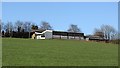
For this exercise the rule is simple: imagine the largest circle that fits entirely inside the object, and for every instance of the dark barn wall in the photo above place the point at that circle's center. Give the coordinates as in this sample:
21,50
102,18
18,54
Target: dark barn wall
67,35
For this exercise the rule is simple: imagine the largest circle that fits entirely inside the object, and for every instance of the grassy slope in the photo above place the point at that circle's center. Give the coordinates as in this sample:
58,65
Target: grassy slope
0,52
27,52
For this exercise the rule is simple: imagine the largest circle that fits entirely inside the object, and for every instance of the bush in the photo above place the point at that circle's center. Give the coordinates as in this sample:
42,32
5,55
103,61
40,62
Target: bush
115,41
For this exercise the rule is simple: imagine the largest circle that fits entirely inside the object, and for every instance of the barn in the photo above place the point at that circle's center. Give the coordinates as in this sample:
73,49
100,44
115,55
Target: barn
50,34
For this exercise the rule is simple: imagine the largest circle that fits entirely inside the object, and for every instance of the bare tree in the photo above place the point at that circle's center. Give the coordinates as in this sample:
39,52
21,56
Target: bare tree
19,25
115,36
1,25
27,26
97,30
45,26
0,28
107,30
8,28
74,28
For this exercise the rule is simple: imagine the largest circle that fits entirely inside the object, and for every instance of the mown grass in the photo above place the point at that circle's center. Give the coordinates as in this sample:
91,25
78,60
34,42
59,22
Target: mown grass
0,52
28,52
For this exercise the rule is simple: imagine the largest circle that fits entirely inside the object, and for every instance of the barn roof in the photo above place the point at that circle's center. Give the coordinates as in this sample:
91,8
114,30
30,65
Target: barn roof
67,33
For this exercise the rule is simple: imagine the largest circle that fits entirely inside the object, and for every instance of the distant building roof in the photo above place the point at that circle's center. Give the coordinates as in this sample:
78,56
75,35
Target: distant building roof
64,33
94,37
39,30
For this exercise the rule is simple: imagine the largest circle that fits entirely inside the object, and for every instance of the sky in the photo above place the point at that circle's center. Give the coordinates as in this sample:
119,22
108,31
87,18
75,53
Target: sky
0,10
87,15
60,0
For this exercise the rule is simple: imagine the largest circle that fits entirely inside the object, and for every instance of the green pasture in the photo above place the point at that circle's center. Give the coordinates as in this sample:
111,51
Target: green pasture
28,52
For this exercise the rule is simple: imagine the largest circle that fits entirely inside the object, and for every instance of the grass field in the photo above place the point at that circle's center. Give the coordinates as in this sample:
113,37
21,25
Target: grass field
0,52
28,52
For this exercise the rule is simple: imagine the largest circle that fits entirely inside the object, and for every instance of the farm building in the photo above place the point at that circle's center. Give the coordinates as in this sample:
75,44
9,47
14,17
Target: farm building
47,34
95,38
50,34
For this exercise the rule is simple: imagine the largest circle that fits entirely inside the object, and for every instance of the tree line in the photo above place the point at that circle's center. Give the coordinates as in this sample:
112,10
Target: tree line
104,31
20,26
28,26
